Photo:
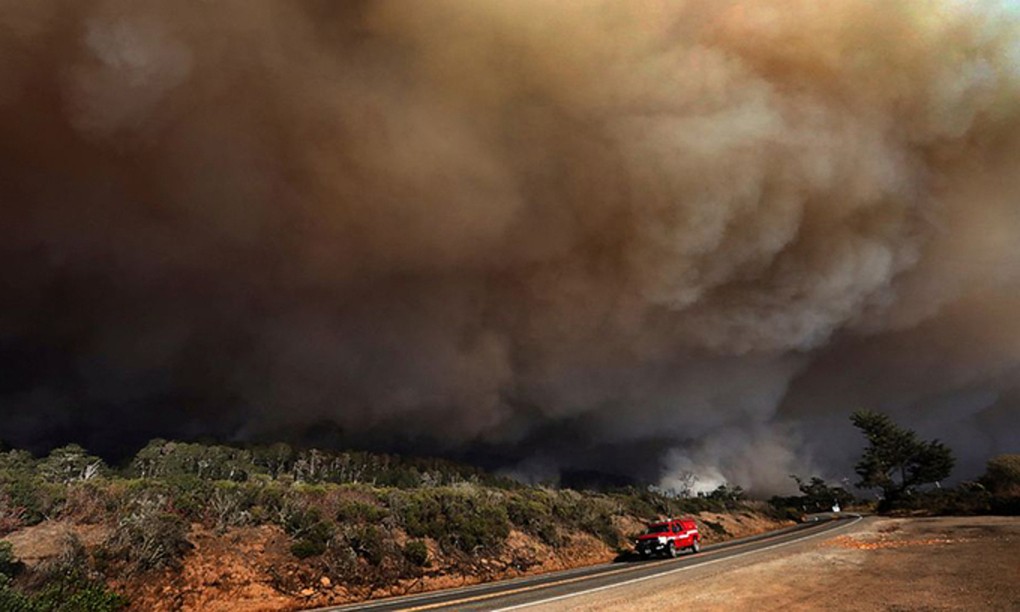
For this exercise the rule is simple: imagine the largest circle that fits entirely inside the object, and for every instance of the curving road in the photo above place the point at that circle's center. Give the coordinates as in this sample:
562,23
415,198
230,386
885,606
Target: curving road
521,593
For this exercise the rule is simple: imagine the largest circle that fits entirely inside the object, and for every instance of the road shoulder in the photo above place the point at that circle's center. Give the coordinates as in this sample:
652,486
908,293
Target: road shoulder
877,564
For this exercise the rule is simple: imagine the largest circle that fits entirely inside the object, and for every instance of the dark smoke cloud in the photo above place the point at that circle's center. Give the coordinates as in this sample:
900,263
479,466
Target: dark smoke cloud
637,237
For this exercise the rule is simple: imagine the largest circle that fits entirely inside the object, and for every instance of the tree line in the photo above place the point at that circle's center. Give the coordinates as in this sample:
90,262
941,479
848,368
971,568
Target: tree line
163,459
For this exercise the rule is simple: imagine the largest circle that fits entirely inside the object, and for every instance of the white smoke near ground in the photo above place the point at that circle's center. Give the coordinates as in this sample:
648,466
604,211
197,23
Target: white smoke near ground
635,237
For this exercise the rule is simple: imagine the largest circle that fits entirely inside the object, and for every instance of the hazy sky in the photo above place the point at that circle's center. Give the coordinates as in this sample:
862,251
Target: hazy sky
630,237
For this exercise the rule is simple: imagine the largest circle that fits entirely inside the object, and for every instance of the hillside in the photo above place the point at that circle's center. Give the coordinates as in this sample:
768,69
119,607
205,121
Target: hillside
191,526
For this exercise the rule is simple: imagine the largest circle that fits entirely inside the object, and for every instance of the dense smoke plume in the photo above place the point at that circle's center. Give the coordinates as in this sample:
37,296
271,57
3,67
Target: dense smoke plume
632,237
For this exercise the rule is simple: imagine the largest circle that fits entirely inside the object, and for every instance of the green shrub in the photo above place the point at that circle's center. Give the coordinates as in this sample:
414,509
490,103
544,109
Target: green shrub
12,600
305,524
88,501
957,501
300,520
549,534
268,503
526,512
304,548
601,526
34,499
353,511
66,586
86,597
1005,506
780,510
63,594
12,517
189,496
646,504
231,505
312,540
532,512
1002,475
9,565
592,515
368,542
458,519
417,553
149,537
340,559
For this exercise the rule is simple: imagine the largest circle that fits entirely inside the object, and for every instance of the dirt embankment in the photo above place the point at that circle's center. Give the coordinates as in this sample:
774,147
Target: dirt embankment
252,568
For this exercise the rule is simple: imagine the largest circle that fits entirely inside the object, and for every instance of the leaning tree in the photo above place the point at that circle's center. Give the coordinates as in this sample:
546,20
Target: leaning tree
895,460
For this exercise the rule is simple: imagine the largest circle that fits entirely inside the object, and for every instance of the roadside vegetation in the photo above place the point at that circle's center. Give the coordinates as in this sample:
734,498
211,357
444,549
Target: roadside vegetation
361,519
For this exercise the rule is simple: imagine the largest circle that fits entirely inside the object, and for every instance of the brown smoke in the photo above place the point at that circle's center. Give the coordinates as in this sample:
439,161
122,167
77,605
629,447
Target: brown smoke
558,231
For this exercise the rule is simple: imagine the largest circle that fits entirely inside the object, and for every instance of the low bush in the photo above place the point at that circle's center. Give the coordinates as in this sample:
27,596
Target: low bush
601,526
305,524
463,520
32,499
1006,506
12,599
148,536
88,501
305,548
532,512
9,565
75,595
368,542
646,504
354,511
417,553
64,585
12,517
591,514
231,505
963,500
1002,475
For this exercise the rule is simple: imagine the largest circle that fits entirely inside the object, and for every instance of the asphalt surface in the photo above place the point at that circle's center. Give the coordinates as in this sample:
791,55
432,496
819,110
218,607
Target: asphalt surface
554,586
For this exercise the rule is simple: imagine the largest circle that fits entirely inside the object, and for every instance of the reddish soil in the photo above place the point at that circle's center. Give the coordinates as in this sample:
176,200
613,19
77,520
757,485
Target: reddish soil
252,568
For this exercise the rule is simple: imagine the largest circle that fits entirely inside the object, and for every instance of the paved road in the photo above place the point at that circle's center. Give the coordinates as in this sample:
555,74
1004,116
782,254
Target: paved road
533,590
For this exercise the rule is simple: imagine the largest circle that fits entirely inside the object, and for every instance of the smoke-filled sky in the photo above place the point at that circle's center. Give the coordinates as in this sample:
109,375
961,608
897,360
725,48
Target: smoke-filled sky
629,237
